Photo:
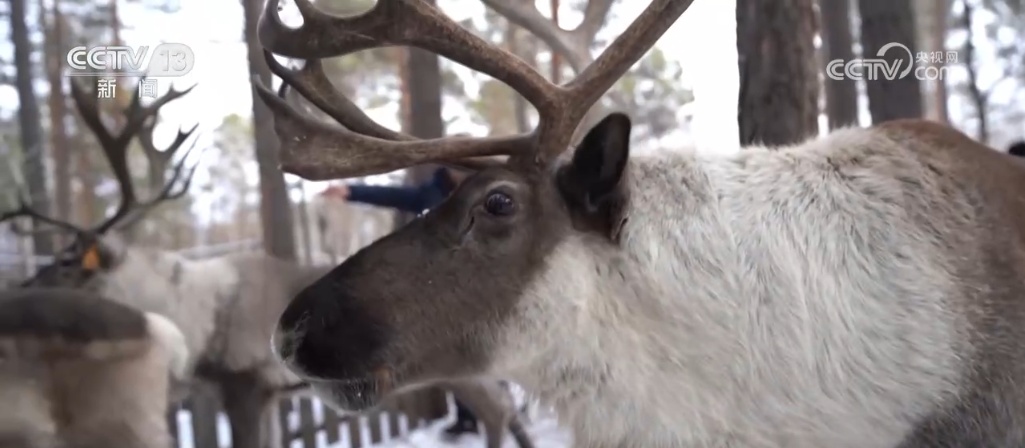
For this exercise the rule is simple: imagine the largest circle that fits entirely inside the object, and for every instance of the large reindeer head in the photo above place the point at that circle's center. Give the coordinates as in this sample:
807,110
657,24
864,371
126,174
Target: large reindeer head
434,299
96,249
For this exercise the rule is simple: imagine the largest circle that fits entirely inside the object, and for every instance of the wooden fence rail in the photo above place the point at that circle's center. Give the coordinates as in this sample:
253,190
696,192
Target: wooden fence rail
304,422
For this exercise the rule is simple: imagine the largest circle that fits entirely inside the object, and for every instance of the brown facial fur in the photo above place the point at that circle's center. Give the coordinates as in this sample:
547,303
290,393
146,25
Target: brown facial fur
425,302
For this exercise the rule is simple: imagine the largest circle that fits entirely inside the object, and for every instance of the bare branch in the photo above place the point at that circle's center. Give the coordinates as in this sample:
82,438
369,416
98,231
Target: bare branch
575,44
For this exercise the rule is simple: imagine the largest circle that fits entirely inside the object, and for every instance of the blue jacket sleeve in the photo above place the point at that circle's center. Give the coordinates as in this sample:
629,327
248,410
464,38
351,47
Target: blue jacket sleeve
406,199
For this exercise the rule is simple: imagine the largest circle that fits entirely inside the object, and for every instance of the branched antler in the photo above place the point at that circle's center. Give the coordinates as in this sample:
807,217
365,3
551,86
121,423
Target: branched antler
160,158
115,149
25,210
316,150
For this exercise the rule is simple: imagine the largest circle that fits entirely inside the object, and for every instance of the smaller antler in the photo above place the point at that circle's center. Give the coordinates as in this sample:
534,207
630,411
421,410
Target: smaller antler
317,151
159,158
115,149
26,211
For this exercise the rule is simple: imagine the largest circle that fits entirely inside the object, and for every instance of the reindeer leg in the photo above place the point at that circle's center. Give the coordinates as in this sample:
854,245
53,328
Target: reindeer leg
519,433
494,434
246,399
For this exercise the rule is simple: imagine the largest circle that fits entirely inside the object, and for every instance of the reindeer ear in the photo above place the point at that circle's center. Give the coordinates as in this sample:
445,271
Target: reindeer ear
591,182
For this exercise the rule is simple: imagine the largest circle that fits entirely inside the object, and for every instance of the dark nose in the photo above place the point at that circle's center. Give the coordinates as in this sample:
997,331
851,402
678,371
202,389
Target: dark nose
325,333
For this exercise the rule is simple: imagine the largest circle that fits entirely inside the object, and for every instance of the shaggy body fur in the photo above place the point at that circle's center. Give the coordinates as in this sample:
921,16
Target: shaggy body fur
226,306
862,290
59,391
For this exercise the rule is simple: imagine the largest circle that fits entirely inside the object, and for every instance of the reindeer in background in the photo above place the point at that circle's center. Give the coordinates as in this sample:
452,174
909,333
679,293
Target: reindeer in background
80,371
227,307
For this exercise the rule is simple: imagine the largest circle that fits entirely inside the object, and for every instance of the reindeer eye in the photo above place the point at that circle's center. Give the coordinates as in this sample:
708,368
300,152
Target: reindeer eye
499,204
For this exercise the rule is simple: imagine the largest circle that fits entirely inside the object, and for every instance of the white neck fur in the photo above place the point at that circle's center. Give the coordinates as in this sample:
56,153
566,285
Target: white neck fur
757,299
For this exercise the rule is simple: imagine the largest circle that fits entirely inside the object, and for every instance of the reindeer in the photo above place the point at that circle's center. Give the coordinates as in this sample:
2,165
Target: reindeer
227,306
861,289
79,371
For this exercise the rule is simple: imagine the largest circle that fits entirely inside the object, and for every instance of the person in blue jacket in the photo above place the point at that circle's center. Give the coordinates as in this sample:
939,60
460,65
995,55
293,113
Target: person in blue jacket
1017,149
413,199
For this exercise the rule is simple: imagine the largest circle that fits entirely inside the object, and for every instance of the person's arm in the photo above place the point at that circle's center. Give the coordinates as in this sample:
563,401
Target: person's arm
406,199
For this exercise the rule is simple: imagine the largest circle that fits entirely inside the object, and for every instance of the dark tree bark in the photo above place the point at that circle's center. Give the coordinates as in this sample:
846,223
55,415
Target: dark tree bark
841,94
275,206
778,101
58,113
425,95
29,121
883,22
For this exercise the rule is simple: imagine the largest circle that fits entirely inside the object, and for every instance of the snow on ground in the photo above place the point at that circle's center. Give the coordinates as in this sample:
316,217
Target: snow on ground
541,424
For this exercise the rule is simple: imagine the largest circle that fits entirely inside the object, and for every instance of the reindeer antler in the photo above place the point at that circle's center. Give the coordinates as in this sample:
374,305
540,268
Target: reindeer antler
317,151
115,149
162,156
25,210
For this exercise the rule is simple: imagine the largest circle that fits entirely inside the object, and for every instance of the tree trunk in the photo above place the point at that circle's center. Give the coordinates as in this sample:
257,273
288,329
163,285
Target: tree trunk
423,79
86,202
556,75
884,22
778,100
275,206
978,98
29,121
303,211
931,18
841,94
519,45
58,113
